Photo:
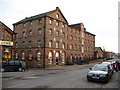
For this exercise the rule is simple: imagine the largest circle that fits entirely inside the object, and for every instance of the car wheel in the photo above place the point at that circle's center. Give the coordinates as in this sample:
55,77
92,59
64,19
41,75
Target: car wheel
88,80
20,69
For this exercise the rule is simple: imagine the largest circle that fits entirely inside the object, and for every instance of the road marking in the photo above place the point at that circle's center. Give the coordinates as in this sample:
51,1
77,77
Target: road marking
15,85
7,78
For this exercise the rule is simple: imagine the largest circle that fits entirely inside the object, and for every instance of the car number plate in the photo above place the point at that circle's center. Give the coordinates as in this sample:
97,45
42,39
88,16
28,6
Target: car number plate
95,77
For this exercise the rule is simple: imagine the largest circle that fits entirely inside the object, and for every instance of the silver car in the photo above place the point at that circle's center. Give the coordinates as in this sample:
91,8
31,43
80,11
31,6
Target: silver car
99,72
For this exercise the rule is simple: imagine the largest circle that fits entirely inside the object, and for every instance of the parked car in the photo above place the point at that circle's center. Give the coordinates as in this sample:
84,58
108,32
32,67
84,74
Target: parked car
99,72
14,65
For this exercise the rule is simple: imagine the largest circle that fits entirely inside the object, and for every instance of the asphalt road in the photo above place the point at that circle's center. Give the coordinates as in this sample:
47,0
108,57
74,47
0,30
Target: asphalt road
60,77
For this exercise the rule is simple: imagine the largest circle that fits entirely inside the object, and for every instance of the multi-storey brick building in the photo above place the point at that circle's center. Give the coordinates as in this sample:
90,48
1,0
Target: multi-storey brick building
6,42
47,40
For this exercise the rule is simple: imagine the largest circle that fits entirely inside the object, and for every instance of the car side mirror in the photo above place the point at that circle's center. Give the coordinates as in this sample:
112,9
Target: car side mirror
90,68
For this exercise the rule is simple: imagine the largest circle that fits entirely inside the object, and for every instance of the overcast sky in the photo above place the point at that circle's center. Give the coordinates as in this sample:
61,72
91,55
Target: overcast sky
99,17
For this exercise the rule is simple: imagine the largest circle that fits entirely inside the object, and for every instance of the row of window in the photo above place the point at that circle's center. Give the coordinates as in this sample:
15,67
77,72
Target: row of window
30,55
71,47
29,44
65,35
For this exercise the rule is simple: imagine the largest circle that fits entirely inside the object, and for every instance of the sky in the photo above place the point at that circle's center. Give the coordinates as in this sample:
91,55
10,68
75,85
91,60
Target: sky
99,17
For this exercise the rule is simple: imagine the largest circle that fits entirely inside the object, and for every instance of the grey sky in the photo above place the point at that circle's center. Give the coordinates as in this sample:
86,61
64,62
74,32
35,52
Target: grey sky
100,17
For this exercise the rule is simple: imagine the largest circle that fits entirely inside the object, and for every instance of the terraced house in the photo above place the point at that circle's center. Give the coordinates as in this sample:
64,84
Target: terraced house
47,40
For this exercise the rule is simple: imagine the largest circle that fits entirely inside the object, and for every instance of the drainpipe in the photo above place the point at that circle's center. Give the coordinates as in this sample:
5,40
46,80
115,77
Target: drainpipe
44,40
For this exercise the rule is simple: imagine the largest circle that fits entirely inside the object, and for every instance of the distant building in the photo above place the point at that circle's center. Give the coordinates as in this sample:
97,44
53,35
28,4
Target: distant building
98,53
108,55
48,40
6,42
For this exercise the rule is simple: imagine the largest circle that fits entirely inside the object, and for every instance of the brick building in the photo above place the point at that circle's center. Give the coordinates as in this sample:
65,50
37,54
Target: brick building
47,40
6,42
99,53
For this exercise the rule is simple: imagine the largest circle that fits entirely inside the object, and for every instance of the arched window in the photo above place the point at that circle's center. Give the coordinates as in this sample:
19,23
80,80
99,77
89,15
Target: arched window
23,55
50,57
38,56
16,55
30,55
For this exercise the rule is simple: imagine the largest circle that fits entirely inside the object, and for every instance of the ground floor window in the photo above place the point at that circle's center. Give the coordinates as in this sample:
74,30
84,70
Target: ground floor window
63,57
30,55
50,58
23,56
16,55
38,56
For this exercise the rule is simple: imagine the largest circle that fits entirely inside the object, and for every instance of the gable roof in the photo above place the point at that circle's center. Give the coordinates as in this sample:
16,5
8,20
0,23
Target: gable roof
98,48
39,16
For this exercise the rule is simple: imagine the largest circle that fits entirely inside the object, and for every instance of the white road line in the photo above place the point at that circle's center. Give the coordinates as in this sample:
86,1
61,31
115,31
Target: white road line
15,86
7,78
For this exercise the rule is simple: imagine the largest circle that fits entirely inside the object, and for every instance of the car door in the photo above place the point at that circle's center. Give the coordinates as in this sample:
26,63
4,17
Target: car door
109,71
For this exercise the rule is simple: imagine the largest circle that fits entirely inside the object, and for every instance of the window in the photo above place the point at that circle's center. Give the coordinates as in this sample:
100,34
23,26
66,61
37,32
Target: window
30,33
39,31
71,37
75,38
57,33
50,21
82,49
16,45
57,44
57,15
23,44
16,55
79,39
39,43
11,62
63,35
79,48
57,23
39,56
39,21
50,32
63,46
75,47
82,34
71,46
63,25
30,44
30,55
23,34
50,43
23,56
82,41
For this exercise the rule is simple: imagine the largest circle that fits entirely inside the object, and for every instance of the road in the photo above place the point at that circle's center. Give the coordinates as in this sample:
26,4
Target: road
60,77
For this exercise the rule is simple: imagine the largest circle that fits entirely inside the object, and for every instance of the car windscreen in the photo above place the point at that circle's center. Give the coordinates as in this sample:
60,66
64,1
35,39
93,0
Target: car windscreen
100,68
